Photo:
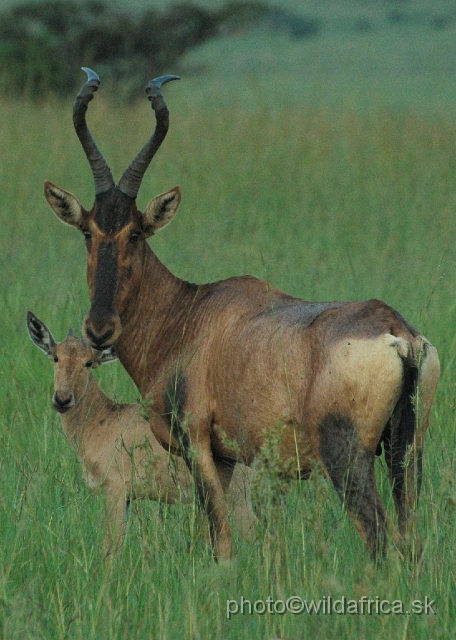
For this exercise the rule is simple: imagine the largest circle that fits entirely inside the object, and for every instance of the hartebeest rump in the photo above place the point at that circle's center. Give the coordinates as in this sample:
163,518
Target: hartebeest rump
114,442
225,362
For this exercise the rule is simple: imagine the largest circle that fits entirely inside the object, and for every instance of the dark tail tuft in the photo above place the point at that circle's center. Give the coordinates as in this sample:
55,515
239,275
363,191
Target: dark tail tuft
400,431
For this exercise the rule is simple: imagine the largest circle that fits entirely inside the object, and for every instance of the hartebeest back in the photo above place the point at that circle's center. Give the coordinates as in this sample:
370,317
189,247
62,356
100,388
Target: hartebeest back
229,360
114,442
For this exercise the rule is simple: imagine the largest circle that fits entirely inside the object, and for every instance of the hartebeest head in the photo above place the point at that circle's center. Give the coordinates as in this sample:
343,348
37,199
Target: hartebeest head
114,230
73,360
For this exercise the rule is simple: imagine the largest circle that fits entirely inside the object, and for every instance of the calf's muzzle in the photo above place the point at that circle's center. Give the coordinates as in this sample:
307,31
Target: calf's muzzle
63,401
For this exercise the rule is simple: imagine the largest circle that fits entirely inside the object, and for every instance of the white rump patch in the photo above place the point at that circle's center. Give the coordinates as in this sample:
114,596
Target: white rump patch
400,344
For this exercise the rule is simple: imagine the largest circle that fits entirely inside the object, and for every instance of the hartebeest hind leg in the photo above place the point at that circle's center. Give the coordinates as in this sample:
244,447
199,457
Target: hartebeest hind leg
351,469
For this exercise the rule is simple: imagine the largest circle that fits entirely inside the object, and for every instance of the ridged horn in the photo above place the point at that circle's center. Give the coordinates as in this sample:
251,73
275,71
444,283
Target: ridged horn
133,175
100,170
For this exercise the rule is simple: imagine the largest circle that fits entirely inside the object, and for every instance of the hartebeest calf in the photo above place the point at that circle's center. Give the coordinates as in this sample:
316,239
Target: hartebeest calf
227,361
114,442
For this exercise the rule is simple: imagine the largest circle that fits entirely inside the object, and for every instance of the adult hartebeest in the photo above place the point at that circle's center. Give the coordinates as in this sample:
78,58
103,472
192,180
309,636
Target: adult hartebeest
225,362
114,443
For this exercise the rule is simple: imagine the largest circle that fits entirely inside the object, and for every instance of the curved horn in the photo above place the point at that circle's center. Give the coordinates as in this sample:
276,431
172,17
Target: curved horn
100,170
133,175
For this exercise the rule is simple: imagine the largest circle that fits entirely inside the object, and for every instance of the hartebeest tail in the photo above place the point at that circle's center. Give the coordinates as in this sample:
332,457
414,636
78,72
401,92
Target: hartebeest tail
114,443
404,435
227,361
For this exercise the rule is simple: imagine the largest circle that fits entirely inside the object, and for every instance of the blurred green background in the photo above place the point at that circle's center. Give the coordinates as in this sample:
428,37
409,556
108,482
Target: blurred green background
356,52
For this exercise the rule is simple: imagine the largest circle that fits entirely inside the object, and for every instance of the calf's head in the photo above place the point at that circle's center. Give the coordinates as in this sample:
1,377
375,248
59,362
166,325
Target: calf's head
73,360
115,231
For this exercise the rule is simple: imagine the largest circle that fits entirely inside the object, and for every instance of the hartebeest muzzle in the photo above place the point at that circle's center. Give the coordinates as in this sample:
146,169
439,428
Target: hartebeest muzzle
63,401
102,336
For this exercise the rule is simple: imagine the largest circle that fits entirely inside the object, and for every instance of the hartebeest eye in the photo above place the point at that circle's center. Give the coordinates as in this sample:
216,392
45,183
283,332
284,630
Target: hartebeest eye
134,236
87,234
55,358
89,363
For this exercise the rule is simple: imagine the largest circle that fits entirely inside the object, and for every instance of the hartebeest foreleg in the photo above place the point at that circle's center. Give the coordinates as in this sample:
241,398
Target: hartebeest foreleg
212,479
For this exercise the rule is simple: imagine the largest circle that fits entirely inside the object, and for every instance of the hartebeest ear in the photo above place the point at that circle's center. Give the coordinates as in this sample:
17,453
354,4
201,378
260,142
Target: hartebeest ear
161,210
108,355
40,334
64,204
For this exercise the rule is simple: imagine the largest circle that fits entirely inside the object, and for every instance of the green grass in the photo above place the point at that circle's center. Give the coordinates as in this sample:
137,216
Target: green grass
325,203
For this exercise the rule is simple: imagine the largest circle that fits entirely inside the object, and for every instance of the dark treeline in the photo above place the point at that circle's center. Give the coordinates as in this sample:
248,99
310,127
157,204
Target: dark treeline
43,45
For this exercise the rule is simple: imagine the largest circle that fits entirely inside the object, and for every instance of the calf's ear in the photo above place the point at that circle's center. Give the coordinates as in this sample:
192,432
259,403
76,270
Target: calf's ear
40,334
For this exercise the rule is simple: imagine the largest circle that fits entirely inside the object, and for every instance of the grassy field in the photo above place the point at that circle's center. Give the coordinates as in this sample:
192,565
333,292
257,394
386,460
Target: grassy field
326,203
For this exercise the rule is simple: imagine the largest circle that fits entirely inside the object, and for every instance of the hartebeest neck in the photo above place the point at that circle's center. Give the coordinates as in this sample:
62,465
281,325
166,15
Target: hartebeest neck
154,322
89,413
